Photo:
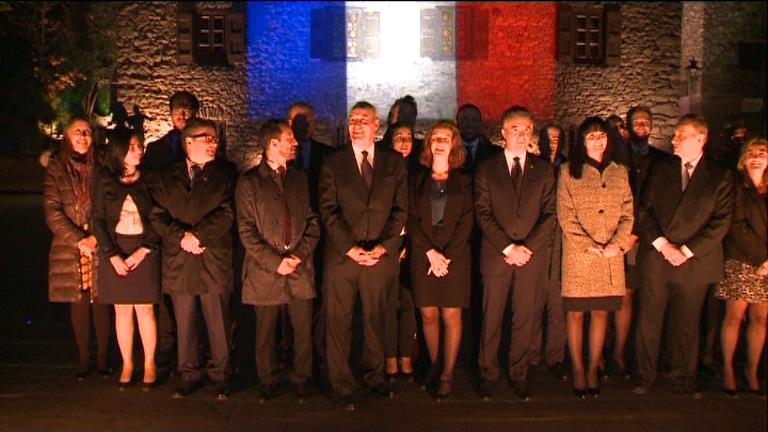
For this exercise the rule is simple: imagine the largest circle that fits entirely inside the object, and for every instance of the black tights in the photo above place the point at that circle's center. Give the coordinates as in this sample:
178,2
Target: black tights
80,313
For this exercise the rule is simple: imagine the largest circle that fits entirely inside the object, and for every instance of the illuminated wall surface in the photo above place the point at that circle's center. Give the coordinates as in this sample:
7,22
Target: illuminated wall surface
332,54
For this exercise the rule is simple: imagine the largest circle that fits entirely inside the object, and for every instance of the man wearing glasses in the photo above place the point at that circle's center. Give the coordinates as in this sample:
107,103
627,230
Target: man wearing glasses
194,215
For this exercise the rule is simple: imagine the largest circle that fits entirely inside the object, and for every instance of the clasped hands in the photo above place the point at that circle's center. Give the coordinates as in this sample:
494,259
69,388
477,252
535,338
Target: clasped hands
518,255
123,266
366,258
608,251
673,254
288,265
191,244
438,263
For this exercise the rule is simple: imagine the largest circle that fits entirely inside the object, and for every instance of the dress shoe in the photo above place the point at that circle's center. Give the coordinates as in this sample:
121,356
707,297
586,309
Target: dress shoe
222,390
383,390
105,372
266,393
687,386
486,391
80,376
522,390
300,390
580,393
347,401
185,389
391,377
558,372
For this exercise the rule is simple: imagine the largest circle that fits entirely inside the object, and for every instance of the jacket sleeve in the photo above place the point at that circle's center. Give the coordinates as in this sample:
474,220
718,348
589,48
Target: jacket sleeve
55,217
419,239
161,219
398,214
711,235
484,212
460,238
218,222
99,218
336,227
249,227
648,227
566,208
541,234
626,218
311,235
742,236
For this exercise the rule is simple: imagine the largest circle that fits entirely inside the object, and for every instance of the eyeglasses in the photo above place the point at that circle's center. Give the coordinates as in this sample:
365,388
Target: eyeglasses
207,138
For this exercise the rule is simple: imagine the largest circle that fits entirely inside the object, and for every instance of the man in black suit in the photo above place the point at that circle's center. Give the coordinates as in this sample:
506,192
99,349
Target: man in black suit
279,231
158,156
515,208
363,203
193,214
310,152
685,212
476,145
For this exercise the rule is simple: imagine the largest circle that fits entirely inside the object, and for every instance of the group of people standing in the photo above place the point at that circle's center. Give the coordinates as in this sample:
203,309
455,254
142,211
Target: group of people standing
439,225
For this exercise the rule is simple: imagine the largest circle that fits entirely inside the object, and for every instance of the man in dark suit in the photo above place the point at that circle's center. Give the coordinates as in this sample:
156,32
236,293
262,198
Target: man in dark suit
476,145
515,208
685,212
194,216
310,152
158,156
363,202
279,231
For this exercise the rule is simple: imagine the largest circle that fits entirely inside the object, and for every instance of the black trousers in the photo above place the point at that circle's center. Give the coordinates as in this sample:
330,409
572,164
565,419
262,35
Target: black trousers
685,301
375,285
215,311
525,283
400,324
80,315
300,312
166,339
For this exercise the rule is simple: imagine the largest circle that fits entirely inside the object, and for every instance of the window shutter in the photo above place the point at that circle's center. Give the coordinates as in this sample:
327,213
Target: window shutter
235,37
185,37
612,37
566,41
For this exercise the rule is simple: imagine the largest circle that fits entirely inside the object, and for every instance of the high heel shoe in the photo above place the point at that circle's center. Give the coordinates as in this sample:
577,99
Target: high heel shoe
444,392
580,393
593,392
731,393
123,386
147,386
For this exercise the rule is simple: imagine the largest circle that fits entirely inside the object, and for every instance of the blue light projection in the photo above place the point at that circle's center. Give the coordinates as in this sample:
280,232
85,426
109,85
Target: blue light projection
291,60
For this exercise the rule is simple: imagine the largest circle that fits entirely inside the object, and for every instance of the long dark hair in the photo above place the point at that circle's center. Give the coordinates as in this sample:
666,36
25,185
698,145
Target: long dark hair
578,154
119,143
456,155
544,147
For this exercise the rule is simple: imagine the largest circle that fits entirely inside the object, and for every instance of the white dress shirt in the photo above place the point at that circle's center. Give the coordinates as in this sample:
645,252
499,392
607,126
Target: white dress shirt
359,156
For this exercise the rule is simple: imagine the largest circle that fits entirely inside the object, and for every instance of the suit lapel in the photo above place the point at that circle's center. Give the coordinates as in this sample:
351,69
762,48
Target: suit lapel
502,171
697,185
425,201
380,168
453,207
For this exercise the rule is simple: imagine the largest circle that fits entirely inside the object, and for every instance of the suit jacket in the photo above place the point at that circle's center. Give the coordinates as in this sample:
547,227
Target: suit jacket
109,194
205,210
639,168
317,152
350,214
164,152
451,239
504,217
747,240
260,220
485,149
698,218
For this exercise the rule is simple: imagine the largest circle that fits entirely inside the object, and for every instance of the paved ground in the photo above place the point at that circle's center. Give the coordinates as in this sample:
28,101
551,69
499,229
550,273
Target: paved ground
38,390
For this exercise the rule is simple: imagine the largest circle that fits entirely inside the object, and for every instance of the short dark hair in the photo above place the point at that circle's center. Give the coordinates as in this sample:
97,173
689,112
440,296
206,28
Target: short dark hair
119,141
544,149
301,104
194,124
184,99
578,154
466,107
455,157
515,111
271,129
634,111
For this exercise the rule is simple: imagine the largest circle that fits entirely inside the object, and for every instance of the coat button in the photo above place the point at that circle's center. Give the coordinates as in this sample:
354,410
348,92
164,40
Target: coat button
604,185
601,211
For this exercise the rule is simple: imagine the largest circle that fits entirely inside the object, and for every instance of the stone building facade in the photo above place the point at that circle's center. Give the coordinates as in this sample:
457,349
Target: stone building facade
520,62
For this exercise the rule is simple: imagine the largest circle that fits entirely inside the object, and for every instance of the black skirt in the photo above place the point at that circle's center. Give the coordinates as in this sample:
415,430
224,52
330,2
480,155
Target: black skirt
139,286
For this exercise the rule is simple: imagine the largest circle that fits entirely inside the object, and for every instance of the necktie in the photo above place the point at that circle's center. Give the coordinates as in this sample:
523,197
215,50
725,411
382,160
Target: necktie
196,171
469,157
516,173
286,211
300,155
686,174
366,170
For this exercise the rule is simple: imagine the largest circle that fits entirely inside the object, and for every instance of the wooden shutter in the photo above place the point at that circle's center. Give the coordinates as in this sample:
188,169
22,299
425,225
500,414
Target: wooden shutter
185,38
235,37
612,36
566,28
429,33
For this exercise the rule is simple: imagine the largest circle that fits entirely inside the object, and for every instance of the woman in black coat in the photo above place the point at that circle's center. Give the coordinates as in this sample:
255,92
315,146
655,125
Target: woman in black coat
129,273
440,223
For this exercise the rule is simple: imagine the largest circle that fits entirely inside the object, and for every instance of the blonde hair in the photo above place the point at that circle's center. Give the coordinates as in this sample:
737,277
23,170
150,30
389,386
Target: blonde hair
745,150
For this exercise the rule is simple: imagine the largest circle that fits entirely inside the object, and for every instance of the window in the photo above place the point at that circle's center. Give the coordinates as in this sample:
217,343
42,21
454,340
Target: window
344,33
211,38
589,35
449,33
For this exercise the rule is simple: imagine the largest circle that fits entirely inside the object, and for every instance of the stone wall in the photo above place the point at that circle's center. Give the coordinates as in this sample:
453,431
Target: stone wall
648,73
